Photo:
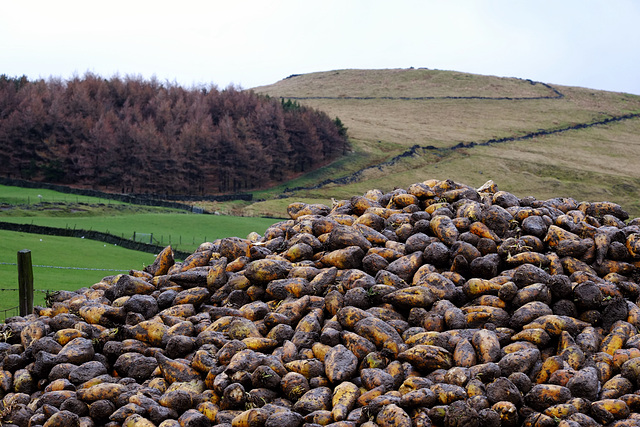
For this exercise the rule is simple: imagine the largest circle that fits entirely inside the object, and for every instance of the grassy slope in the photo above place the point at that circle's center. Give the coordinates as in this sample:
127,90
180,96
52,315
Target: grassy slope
598,163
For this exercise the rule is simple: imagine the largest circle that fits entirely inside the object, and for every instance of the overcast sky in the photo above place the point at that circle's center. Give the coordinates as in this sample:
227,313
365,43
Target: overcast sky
588,43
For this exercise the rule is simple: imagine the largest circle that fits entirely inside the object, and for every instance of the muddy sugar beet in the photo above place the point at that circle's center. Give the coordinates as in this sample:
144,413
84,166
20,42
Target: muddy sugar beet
439,304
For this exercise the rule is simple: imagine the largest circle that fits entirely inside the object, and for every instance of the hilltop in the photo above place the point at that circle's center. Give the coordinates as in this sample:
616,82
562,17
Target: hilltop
407,125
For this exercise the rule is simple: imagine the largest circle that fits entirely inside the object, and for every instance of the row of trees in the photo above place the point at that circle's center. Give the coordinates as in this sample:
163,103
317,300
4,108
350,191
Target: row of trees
140,136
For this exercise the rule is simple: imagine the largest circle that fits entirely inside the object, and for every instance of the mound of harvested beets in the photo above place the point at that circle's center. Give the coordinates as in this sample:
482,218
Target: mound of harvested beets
437,305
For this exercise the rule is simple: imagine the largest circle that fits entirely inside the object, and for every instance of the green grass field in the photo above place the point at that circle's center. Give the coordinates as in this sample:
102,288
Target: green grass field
89,260
184,232
71,263
28,196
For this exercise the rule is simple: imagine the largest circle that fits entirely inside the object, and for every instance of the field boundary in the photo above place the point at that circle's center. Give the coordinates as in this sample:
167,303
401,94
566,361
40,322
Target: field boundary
64,268
89,234
354,177
134,199
558,95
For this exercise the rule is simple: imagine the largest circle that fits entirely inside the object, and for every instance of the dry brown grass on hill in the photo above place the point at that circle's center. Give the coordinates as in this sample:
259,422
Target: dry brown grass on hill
597,163
413,83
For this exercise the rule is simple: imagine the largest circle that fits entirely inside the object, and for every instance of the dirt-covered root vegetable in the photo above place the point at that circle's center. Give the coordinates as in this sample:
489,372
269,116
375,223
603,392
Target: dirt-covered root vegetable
266,270
427,357
101,314
344,399
464,354
294,385
316,399
344,259
174,371
476,287
508,413
340,364
152,332
137,420
536,336
380,333
393,416
487,345
543,395
63,419
163,262
101,391
251,417
633,245
554,324
435,305
413,296
608,410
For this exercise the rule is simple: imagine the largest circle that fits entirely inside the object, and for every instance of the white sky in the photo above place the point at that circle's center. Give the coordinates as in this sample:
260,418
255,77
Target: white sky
248,43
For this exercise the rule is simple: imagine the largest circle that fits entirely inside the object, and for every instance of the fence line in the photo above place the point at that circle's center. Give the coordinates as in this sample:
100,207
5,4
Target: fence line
416,149
25,287
89,234
6,310
44,291
162,200
67,268
15,309
556,95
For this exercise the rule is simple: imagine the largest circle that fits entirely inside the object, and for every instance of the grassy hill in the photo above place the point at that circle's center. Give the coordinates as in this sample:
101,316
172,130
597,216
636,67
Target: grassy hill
531,138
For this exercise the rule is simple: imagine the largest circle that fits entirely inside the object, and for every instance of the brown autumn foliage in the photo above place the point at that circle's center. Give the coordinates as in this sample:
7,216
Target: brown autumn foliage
142,136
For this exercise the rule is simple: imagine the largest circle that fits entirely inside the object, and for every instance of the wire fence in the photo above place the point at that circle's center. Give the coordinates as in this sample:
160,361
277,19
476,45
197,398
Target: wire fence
65,268
162,200
14,310
9,312
93,235
416,150
53,200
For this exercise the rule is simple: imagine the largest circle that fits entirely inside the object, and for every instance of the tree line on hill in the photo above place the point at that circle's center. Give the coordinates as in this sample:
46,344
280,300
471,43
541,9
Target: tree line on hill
132,135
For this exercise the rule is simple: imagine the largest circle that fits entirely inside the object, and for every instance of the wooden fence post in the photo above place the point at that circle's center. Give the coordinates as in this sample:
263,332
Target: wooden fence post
25,282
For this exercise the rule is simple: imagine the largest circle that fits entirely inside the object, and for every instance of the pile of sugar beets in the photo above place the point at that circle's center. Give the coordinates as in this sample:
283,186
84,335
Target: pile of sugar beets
439,304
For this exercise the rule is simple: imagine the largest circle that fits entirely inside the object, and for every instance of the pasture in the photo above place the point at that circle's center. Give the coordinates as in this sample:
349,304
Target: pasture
183,231
25,197
65,263
61,263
